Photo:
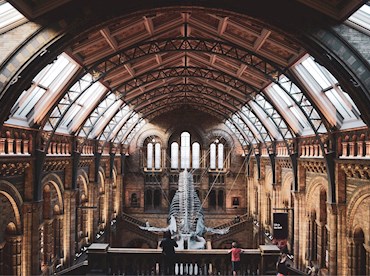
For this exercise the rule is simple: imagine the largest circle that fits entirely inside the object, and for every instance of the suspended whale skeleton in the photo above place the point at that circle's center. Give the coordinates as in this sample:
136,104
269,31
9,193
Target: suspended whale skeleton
186,219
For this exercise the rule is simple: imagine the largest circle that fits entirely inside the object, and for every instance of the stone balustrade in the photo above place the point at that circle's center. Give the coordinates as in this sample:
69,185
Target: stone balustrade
87,150
354,148
311,150
59,148
11,146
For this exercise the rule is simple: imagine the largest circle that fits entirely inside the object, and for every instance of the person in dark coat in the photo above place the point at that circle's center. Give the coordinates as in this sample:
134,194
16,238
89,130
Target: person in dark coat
168,253
282,265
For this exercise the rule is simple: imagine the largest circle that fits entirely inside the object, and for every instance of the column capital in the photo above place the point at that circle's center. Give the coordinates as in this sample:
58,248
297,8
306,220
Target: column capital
332,208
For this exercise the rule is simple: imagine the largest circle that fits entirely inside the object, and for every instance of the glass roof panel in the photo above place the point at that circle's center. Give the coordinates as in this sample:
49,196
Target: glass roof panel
105,118
44,91
8,15
265,119
334,103
237,133
81,107
361,17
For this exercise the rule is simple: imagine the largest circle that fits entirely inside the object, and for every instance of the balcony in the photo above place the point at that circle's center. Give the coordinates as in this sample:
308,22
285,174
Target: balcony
103,259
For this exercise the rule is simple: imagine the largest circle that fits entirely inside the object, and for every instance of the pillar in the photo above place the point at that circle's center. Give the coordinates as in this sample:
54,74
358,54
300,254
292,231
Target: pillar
69,227
333,228
341,237
299,229
31,239
14,242
2,145
351,256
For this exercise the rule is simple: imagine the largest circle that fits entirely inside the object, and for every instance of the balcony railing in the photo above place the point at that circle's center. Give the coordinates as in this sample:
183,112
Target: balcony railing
103,259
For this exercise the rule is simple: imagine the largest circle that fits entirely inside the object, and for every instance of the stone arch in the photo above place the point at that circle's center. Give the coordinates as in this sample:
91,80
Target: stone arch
286,185
57,183
314,187
101,179
11,193
114,176
151,132
85,180
360,197
268,180
193,130
222,133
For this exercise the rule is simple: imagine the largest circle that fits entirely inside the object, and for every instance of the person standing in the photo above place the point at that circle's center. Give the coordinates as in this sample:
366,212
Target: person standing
235,258
168,253
281,265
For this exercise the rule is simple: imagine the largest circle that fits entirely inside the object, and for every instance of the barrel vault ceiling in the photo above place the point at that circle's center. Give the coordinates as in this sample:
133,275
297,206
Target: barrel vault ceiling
167,59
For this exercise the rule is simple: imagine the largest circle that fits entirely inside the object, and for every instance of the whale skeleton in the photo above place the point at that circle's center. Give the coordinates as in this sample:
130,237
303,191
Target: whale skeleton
186,218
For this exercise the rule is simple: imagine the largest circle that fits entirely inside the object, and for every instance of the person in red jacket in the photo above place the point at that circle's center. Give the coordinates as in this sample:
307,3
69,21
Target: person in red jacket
235,258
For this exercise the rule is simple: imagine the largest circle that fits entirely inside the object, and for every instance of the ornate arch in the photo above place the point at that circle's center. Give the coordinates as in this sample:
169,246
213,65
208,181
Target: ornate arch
151,132
11,193
85,180
57,183
268,180
222,133
286,185
358,197
317,183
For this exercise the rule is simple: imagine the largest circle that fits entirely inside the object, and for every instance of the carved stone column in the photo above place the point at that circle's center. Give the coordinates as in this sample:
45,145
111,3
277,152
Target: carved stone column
2,145
333,228
299,229
69,227
31,239
351,256
367,248
14,242
341,234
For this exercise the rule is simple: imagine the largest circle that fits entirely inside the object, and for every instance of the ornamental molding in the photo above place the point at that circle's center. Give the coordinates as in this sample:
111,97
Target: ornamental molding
285,163
85,162
314,166
13,168
55,165
358,171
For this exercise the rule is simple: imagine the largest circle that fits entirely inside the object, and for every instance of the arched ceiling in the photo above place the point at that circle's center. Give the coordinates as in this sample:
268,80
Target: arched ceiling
160,60
185,56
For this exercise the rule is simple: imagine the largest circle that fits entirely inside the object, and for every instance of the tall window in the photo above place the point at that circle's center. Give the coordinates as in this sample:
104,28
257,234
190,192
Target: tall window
157,160
174,155
149,156
216,155
196,155
185,150
189,153
153,151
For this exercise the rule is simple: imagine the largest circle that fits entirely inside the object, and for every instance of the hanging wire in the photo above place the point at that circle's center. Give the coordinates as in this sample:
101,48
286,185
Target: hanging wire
214,181
232,185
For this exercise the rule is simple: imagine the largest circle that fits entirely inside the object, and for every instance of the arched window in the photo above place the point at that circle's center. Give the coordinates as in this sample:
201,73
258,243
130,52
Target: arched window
220,156
359,252
220,199
190,154
157,198
149,156
185,150
134,200
157,160
148,199
212,157
174,155
153,155
212,200
196,155
313,236
216,155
